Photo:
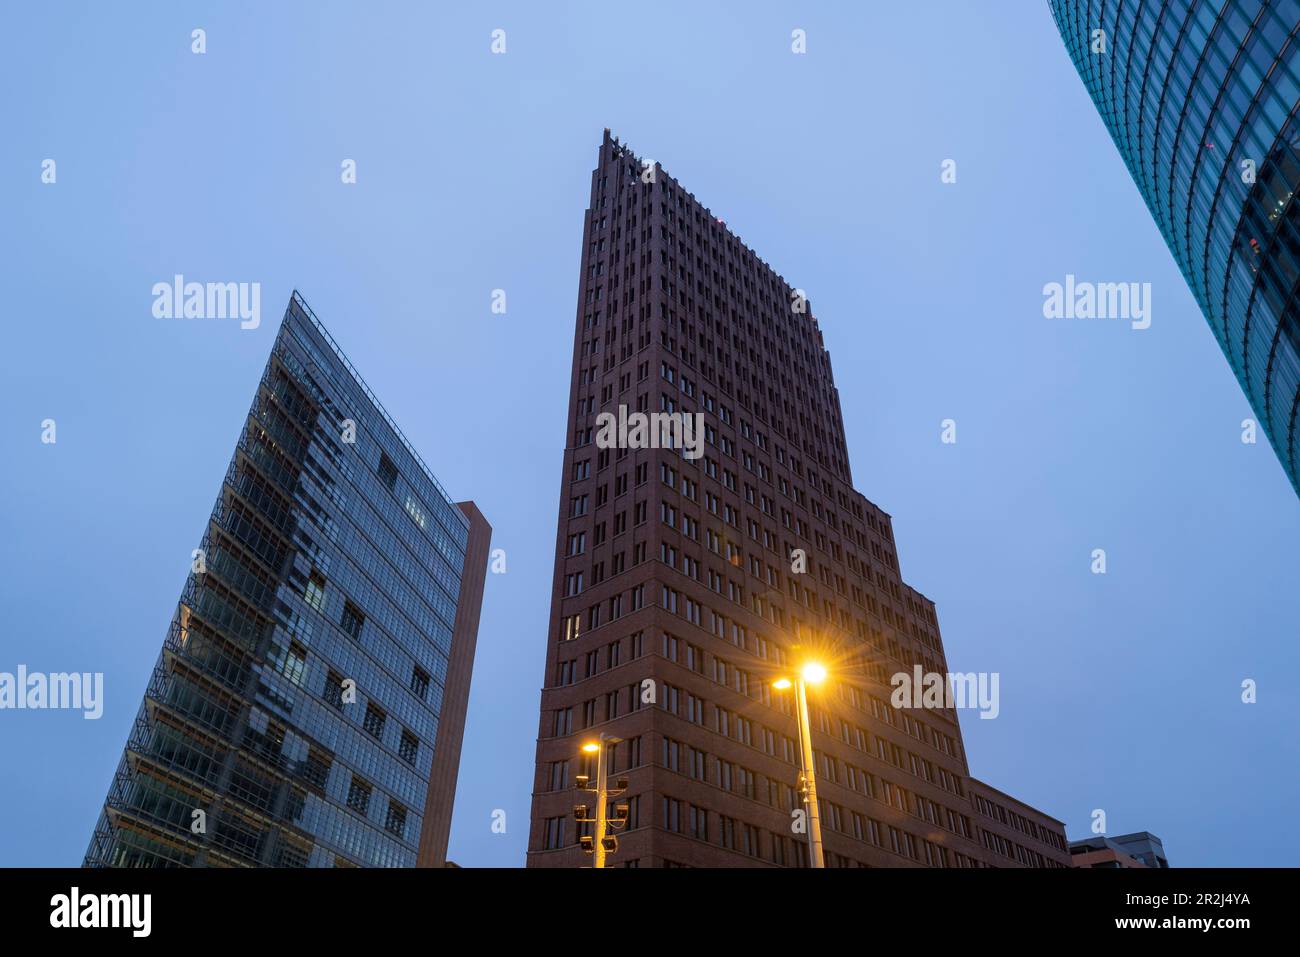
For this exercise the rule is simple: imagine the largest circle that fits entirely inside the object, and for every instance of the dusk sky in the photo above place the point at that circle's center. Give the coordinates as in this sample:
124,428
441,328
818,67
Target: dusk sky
1119,692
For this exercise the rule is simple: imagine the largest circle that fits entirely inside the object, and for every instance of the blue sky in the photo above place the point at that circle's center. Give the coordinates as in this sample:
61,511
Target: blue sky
1119,692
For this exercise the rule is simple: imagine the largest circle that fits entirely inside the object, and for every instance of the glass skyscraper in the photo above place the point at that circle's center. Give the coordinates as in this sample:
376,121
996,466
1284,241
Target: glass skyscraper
1200,96
308,704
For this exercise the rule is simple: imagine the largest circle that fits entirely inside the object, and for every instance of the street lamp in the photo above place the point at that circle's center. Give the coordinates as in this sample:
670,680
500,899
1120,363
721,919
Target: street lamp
602,843
811,673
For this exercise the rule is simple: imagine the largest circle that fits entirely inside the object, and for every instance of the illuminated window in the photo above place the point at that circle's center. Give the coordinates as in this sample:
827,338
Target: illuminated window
413,508
294,663
314,594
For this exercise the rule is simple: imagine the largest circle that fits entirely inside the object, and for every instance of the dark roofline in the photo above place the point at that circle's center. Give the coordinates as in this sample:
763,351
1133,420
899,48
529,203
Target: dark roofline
1030,807
725,228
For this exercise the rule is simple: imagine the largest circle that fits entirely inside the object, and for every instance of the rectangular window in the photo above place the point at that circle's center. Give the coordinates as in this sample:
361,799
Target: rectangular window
415,511
387,471
698,822
316,771
334,689
554,837
409,747
374,720
559,776
358,795
294,663
352,620
314,594
419,682
396,820
672,819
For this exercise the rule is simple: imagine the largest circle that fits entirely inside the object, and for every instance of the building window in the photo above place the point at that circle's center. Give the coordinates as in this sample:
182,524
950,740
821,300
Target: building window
294,663
562,722
396,820
698,823
374,720
316,769
387,471
672,820
419,682
413,509
409,747
554,836
359,795
727,832
559,776
352,620
314,594
334,689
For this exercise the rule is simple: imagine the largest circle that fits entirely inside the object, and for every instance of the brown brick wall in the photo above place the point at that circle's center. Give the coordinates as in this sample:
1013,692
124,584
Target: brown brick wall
451,721
666,288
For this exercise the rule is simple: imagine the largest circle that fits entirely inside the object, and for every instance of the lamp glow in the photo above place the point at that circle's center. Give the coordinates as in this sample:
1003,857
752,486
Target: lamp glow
814,673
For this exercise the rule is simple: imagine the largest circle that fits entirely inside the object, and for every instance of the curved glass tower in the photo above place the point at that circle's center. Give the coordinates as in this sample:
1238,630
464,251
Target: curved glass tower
1200,96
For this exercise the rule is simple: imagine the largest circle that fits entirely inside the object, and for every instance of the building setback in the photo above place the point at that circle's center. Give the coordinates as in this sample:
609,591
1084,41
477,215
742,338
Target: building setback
1098,853
1200,97
1140,849
308,704
1145,847
678,596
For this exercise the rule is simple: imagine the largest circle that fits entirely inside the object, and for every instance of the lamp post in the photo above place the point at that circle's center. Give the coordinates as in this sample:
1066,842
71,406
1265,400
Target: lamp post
811,673
603,843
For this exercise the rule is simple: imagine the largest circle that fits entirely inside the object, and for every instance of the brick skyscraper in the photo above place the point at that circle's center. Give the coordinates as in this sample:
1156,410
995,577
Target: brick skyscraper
676,577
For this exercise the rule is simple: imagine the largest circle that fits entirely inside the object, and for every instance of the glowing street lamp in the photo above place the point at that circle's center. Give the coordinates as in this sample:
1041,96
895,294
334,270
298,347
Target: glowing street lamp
603,843
811,673
814,673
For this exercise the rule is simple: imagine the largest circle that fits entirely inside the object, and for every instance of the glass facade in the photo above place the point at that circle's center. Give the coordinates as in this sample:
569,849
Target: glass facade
1200,97
297,698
